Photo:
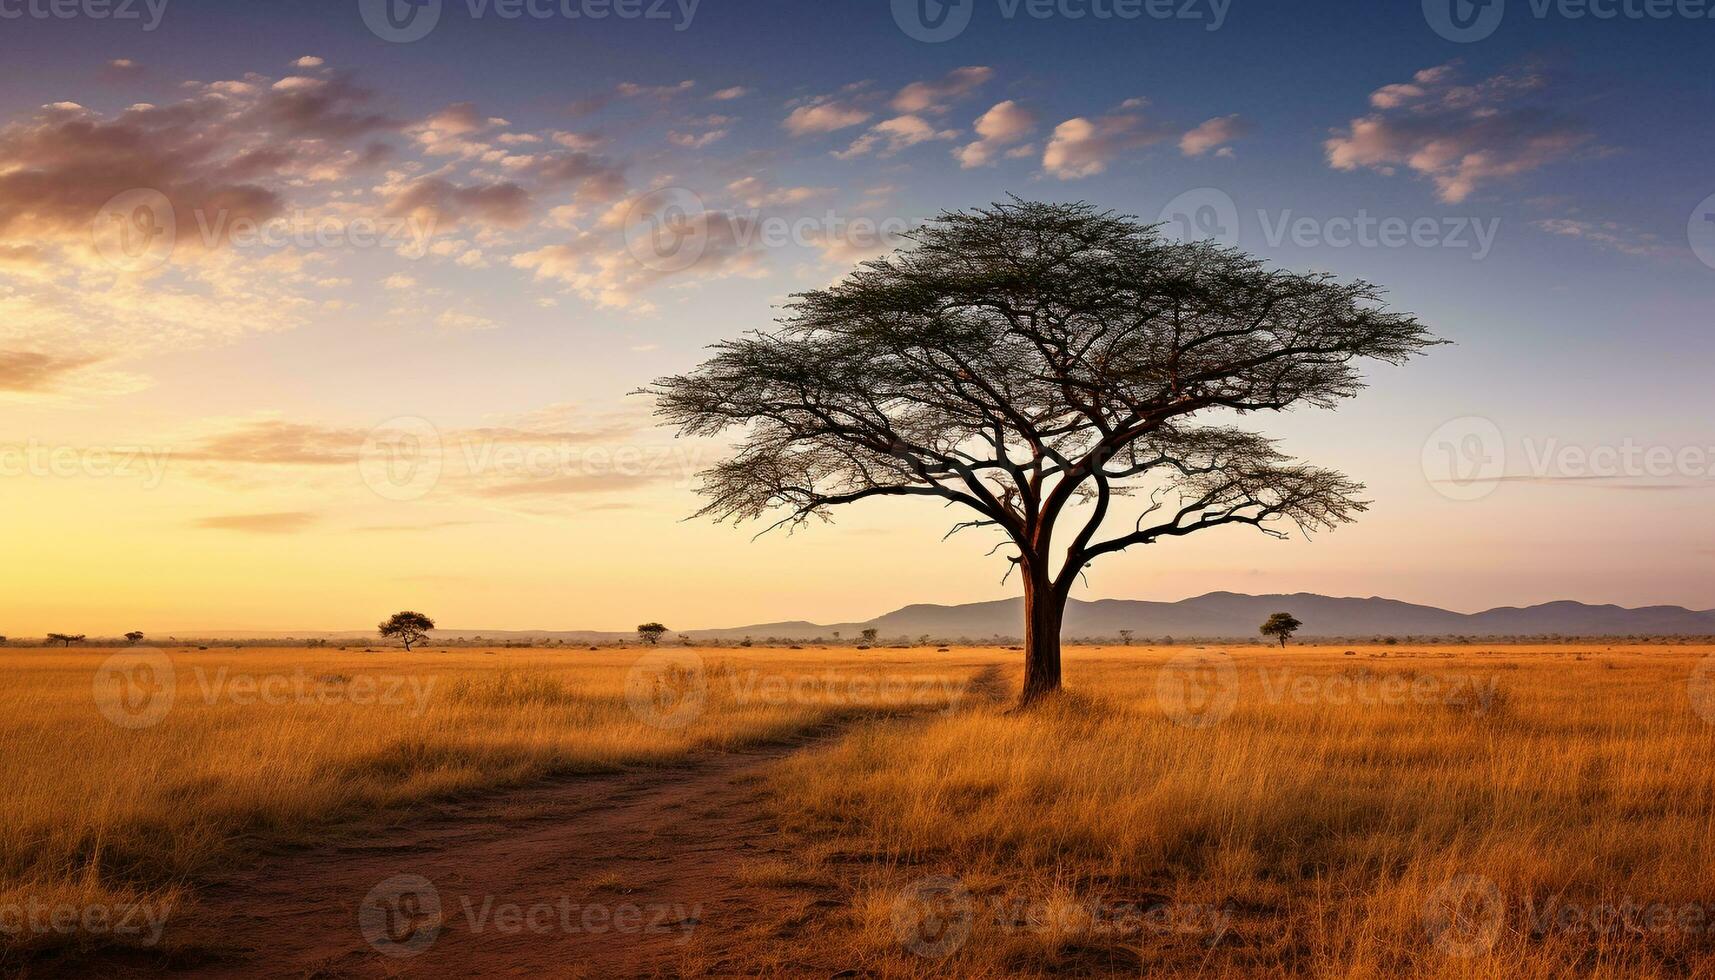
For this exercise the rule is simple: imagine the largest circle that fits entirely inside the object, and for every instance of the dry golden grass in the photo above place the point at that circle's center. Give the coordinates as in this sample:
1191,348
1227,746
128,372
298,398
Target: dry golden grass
1395,811
109,817
1344,812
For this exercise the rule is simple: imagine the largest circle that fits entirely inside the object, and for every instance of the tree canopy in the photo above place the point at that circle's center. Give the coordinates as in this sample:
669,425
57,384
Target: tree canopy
1033,362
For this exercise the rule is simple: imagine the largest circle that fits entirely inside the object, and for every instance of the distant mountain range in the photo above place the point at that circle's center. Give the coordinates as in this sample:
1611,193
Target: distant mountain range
1218,614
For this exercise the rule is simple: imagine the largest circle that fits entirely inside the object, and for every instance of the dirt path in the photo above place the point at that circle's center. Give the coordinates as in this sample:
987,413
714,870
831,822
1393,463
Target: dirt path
640,873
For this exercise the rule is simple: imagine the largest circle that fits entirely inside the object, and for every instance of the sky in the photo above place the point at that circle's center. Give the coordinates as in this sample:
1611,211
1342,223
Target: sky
314,311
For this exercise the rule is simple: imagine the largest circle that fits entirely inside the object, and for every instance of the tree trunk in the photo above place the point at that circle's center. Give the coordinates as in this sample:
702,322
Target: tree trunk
1044,609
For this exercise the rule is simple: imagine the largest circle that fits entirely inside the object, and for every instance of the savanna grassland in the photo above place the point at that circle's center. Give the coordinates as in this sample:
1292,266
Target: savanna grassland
263,746
1516,811
1353,811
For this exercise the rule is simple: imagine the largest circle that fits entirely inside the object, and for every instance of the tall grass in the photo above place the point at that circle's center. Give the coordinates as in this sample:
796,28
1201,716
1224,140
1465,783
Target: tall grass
101,815
1430,812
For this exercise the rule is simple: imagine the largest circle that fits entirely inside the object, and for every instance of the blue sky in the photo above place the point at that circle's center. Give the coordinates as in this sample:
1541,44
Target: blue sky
1556,166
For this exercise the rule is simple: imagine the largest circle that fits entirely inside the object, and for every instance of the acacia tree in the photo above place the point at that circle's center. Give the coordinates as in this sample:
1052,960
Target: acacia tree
1038,364
410,627
1281,626
651,633
65,639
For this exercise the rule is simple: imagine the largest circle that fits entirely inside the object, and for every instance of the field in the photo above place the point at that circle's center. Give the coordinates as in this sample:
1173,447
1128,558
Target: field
1351,811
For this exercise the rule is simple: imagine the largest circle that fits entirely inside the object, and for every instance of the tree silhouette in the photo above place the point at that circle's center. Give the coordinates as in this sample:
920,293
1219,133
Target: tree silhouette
134,637
1037,364
409,627
651,633
66,639
1281,626
869,636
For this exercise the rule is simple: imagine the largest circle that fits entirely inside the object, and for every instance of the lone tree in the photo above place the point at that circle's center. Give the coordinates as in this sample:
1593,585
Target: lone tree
408,627
1039,364
868,636
651,633
65,639
1281,626
134,637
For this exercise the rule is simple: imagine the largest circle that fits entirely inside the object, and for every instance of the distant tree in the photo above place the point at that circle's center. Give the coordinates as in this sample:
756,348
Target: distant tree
836,635
408,627
1040,364
2,641
65,639
1125,637
869,636
135,636
1281,626
685,640
651,633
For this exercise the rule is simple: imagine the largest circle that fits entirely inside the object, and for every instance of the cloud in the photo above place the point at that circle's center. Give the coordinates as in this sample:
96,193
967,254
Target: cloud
1004,124
892,135
632,90
433,198
1083,147
33,371
696,141
1214,134
1610,235
728,94
283,522
825,115
756,192
1462,137
936,97
308,61
600,268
